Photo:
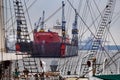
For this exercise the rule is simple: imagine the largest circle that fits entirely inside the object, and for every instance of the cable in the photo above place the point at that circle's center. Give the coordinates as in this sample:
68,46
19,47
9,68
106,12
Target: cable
90,10
82,19
84,16
53,14
11,17
24,12
68,17
28,15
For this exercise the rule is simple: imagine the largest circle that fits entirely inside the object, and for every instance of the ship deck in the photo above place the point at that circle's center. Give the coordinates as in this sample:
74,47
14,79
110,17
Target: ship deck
64,64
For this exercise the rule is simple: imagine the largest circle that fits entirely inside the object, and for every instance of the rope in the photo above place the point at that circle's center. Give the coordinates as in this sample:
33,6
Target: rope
11,17
53,14
24,12
28,15
68,16
90,10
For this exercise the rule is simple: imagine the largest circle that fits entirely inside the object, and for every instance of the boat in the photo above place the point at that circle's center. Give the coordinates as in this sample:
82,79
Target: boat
49,44
45,43
86,66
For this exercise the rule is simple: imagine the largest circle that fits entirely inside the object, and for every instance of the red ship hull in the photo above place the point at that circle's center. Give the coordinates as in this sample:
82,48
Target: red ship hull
49,44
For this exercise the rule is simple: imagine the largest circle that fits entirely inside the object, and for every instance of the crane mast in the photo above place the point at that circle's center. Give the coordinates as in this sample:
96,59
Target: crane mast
63,23
75,31
37,25
97,41
42,23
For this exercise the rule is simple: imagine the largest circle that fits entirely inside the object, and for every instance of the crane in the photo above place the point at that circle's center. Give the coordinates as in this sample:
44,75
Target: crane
40,23
37,25
75,31
63,23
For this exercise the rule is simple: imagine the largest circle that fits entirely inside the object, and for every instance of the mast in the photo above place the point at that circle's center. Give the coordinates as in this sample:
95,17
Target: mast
42,23
2,29
75,31
63,23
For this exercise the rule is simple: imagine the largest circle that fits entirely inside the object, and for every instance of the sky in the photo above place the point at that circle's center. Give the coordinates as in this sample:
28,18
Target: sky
50,6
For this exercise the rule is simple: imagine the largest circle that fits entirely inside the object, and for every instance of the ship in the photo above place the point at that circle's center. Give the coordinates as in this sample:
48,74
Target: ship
46,43
50,44
90,63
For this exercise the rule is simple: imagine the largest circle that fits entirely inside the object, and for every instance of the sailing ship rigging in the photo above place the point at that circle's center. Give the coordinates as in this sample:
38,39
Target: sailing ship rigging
97,60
